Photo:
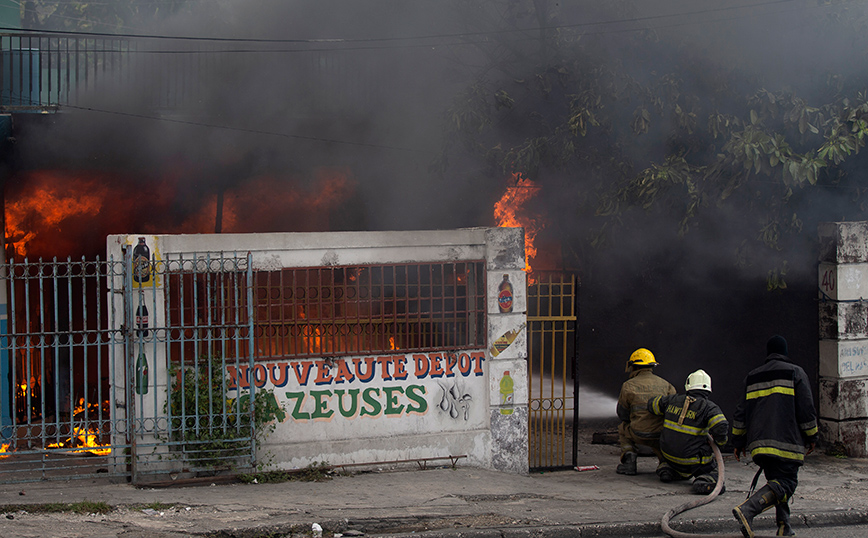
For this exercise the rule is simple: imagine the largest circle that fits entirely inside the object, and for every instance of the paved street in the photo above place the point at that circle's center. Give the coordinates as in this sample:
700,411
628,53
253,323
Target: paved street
441,502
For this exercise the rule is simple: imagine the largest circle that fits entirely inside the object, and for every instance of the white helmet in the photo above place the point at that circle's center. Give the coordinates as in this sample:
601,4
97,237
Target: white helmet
698,380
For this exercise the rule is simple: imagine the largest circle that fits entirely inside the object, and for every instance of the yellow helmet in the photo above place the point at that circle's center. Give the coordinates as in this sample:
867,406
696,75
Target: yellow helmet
641,357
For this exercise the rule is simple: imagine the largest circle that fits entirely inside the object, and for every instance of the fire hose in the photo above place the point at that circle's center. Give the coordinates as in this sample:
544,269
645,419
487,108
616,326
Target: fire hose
664,523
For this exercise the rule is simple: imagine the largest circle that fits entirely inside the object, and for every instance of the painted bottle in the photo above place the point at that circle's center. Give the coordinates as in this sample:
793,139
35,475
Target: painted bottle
142,262
506,393
504,295
142,319
505,340
142,373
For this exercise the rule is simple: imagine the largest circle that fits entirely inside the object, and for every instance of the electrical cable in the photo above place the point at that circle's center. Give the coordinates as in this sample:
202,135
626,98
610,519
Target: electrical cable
464,35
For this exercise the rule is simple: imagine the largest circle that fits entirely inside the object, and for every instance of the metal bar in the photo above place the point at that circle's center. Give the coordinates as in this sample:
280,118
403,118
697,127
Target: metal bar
576,380
69,336
250,357
551,321
129,361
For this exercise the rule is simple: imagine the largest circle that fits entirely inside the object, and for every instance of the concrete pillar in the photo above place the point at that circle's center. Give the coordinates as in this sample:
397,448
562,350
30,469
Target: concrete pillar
507,353
843,305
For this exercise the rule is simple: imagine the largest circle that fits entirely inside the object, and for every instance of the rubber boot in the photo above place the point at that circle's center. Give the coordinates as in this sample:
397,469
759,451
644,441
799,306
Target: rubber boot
666,473
628,464
705,484
782,516
758,503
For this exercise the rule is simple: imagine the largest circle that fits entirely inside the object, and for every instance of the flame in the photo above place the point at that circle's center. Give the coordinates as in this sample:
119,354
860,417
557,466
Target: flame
47,205
4,449
69,213
79,408
311,335
507,213
269,203
84,440
88,439
392,343
313,339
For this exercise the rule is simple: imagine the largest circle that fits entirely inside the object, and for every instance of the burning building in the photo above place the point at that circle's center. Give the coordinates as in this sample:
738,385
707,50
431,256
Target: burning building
367,347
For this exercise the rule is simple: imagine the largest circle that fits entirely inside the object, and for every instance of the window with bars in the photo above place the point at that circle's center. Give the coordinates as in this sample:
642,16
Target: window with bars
206,311
330,311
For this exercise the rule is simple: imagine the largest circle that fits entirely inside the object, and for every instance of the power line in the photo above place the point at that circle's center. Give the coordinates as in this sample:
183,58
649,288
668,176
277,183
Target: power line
646,18
244,129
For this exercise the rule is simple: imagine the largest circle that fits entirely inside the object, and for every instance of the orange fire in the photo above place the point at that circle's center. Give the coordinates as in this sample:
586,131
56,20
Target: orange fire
392,343
269,204
48,204
508,213
312,335
83,441
62,212
4,450
79,408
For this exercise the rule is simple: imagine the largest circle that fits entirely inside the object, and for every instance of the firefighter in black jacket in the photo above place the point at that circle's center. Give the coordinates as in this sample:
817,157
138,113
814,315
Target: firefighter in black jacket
777,424
687,421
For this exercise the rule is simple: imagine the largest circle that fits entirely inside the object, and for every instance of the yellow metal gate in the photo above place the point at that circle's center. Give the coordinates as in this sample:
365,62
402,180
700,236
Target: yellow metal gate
552,328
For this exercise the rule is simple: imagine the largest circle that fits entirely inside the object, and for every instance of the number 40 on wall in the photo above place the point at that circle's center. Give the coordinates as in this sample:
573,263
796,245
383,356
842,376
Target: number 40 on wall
828,282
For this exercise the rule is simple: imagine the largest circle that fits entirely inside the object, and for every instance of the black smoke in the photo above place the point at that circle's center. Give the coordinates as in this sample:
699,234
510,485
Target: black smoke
280,89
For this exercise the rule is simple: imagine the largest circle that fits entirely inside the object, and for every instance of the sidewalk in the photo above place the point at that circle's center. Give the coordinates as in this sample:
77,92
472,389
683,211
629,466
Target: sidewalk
437,502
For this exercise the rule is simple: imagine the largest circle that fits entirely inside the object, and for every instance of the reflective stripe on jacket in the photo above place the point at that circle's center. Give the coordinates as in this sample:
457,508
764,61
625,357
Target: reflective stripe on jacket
776,416
683,441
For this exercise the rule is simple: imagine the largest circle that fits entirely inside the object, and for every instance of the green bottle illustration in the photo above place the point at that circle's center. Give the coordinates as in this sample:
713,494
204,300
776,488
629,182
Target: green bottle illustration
506,393
142,373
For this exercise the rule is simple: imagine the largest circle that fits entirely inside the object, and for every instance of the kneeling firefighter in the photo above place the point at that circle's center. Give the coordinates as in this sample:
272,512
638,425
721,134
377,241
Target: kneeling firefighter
687,421
639,427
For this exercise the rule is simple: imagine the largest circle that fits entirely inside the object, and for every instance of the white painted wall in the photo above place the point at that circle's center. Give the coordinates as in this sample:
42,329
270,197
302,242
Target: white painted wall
404,411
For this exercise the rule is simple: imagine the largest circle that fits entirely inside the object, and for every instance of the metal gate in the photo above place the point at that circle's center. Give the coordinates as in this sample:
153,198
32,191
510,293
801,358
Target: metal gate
552,308
118,367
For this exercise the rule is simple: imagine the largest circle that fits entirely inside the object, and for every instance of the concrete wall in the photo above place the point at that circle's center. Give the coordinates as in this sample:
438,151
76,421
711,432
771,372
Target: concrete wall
426,409
843,290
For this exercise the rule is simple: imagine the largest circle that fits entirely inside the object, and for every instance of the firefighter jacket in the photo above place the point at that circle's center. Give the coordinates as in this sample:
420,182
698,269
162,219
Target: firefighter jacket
776,417
633,402
684,438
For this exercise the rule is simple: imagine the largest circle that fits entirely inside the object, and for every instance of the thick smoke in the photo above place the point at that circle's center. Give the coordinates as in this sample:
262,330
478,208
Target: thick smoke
352,91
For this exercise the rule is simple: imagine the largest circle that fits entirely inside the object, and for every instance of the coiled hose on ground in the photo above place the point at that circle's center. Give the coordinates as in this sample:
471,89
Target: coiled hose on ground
664,523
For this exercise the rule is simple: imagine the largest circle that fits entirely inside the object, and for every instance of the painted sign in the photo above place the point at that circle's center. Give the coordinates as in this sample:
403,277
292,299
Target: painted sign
505,340
349,389
504,295
146,254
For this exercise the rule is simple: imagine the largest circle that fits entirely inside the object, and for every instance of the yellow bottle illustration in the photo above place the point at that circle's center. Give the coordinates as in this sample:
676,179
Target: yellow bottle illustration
506,393
505,340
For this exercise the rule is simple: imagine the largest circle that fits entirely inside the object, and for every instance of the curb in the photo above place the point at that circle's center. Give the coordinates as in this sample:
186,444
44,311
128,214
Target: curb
697,526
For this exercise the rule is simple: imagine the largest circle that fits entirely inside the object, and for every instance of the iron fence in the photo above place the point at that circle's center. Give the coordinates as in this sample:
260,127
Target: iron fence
96,378
43,72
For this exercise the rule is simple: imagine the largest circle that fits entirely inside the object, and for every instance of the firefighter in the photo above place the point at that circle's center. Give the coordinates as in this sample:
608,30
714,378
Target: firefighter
638,426
687,421
777,423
